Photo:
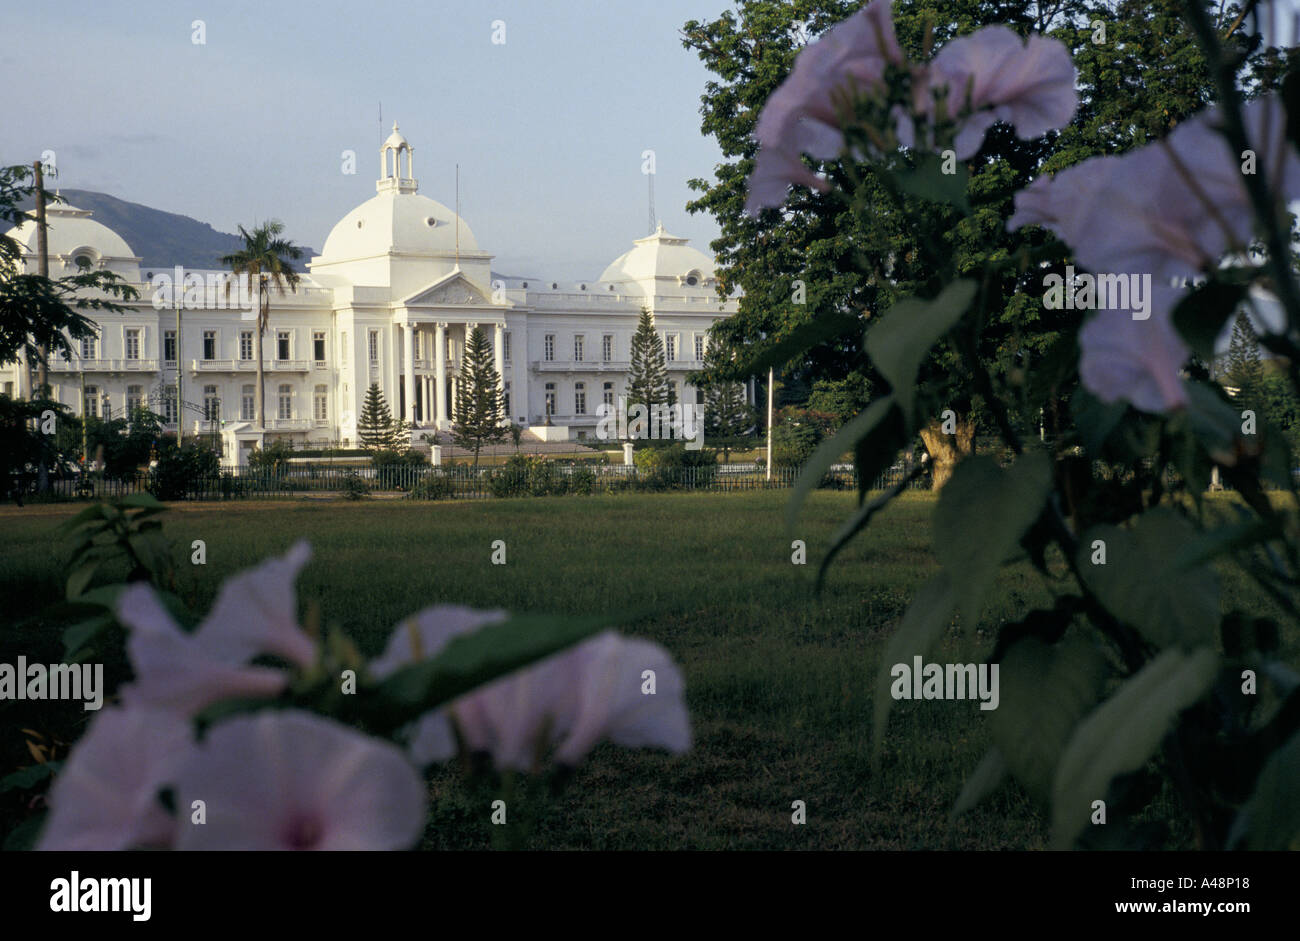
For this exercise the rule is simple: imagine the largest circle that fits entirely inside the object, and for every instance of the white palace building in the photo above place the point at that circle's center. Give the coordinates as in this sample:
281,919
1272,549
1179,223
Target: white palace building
391,299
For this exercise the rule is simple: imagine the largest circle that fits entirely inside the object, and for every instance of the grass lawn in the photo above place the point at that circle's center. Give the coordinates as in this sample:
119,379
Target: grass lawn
779,682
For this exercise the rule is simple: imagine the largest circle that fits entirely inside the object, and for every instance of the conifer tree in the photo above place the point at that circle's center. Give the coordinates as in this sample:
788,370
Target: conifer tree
1245,370
480,403
725,412
375,427
647,380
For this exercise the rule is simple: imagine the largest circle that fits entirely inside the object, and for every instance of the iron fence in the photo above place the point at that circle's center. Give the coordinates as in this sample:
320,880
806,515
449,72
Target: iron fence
458,482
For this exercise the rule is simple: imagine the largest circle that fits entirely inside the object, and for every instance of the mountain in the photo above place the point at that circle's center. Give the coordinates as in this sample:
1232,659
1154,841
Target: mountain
161,239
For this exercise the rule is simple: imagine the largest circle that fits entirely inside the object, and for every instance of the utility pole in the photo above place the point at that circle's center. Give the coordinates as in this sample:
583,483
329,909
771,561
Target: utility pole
42,351
770,375
178,297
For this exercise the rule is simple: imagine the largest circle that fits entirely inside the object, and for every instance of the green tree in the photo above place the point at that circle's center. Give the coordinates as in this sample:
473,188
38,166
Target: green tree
480,402
1245,369
647,379
265,257
823,267
726,415
375,426
840,398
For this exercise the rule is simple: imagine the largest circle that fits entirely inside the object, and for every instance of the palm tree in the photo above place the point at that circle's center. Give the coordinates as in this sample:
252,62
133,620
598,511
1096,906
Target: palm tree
264,256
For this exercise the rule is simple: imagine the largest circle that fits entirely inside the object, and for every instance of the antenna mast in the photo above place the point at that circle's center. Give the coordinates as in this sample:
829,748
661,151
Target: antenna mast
651,177
457,215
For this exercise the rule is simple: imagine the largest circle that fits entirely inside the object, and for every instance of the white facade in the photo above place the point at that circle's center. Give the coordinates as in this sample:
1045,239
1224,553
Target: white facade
391,299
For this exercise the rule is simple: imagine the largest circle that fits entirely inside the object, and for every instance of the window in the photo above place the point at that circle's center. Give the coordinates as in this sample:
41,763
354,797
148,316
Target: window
209,344
374,346
211,404
607,394
318,346
90,404
607,347
580,398
343,357
245,344
134,399
670,347
247,402
87,347
169,405
578,343
674,393
506,347
699,347
549,348
286,402
169,346
282,345
320,404
550,398
505,398
133,344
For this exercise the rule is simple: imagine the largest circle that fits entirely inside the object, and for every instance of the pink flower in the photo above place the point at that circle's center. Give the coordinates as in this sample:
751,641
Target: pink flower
1172,208
572,700
1137,361
612,702
173,670
420,637
292,780
106,795
254,614
998,77
800,116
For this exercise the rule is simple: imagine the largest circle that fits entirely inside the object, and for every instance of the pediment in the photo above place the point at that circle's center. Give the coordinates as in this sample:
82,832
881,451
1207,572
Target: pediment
451,290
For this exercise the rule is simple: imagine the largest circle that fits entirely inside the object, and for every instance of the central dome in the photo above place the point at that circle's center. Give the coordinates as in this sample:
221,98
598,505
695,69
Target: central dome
394,221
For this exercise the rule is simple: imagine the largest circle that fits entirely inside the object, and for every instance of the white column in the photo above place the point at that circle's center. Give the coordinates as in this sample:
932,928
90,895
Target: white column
408,334
499,354
440,370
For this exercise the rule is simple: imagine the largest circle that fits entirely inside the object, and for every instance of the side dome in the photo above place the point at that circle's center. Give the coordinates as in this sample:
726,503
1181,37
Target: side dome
661,257
75,238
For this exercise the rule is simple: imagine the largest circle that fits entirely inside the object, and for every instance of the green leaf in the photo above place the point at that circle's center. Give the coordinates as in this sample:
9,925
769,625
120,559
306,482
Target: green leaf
81,577
25,835
1152,581
27,778
142,500
1123,732
104,596
93,512
928,181
1094,419
981,515
1200,316
830,450
984,782
922,626
1270,820
900,342
1044,690
471,660
78,636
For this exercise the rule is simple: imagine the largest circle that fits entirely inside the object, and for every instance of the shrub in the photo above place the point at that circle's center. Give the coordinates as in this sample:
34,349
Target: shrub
182,471
353,487
274,458
435,485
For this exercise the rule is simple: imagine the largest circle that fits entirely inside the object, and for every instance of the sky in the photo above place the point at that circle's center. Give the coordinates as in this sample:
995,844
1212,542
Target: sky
548,127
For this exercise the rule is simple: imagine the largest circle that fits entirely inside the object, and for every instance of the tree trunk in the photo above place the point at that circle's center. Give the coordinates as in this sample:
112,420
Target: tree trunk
947,449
